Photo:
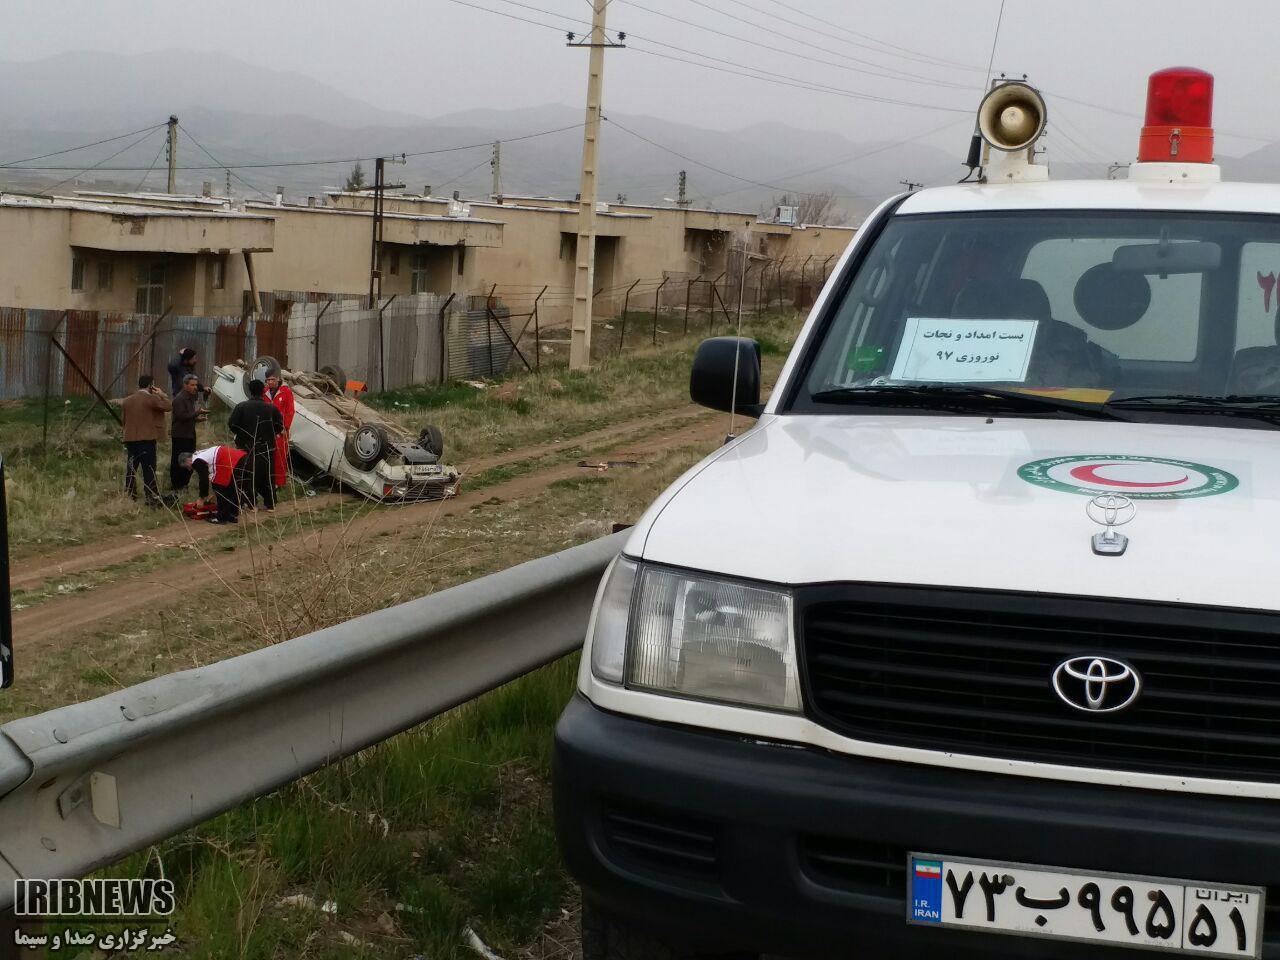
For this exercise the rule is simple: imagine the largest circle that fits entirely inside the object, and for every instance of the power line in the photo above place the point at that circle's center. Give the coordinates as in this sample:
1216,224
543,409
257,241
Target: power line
897,75
99,164
83,146
223,166
767,77
159,150
455,179
724,173
867,36
319,163
632,35
801,85
995,38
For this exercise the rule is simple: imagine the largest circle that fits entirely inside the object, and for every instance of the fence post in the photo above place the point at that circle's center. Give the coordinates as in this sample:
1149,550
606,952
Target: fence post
488,326
688,293
315,340
382,344
824,268
444,340
537,333
779,278
493,318
88,382
48,375
656,294
711,304
626,301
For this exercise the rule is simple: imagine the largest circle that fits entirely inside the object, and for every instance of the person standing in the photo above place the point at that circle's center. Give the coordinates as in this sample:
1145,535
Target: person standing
144,411
255,424
182,430
222,468
280,395
181,365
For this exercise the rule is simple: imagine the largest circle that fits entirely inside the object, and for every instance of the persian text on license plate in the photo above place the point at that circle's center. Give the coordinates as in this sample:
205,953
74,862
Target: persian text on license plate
1016,898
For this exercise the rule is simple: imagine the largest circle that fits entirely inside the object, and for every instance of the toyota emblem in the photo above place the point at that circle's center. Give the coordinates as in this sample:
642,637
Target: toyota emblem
1096,684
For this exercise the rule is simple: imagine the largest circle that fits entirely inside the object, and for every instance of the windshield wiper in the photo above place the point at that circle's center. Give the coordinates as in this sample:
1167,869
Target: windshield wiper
965,396
1238,405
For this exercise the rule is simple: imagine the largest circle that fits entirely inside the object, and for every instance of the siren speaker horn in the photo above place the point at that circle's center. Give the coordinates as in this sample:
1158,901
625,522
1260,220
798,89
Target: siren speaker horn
1012,116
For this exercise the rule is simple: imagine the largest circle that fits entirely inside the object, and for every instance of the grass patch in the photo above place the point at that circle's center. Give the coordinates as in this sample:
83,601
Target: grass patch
69,492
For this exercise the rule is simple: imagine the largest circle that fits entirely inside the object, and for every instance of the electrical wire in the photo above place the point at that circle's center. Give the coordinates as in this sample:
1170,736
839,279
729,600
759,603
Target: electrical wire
995,38
83,146
223,166
896,76
802,85
464,173
159,150
866,36
99,164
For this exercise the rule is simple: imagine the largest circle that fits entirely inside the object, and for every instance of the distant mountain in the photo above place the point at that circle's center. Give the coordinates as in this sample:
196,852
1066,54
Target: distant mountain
48,105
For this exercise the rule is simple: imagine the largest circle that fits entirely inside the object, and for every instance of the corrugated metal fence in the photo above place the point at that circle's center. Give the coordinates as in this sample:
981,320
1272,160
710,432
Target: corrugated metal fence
113,349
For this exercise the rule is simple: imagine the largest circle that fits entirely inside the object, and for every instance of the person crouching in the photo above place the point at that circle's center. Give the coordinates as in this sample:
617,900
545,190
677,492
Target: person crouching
222,468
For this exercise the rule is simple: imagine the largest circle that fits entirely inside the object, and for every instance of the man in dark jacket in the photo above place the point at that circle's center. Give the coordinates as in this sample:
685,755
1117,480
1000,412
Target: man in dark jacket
179,366
182,430
255,423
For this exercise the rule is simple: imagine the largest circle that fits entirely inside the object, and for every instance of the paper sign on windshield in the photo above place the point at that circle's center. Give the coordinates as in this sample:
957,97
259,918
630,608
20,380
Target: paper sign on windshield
942,350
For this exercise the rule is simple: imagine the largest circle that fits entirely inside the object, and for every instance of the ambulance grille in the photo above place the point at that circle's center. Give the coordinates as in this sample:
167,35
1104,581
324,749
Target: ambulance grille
971,673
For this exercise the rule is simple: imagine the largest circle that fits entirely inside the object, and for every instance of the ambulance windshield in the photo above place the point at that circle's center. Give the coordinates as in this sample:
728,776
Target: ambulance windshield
1125,307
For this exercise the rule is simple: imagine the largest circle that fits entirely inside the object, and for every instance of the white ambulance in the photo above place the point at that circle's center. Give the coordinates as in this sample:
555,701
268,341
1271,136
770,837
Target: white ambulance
970,647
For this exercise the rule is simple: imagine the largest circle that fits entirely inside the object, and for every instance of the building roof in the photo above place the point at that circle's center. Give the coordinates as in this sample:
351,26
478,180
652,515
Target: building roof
352,212
34,202
177,199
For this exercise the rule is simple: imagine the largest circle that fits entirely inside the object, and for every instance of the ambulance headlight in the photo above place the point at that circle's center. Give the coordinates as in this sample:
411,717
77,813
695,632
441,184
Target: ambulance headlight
697,636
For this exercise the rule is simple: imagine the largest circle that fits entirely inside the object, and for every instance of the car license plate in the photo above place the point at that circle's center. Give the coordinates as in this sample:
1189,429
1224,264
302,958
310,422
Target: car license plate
1015,898
423,470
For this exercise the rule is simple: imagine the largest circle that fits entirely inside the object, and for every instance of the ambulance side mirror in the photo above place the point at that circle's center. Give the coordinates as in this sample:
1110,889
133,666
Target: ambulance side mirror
726,375
6,616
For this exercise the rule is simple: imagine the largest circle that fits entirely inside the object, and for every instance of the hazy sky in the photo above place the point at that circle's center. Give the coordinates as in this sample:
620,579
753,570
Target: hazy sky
431,57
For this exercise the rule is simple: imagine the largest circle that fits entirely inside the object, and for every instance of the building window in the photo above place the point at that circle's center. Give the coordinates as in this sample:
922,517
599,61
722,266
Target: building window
219,273
150,298
77,273
568,246
395,262
418,279
106,274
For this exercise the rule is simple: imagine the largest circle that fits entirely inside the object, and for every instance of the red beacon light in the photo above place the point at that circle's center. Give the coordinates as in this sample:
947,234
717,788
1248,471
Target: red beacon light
1179,122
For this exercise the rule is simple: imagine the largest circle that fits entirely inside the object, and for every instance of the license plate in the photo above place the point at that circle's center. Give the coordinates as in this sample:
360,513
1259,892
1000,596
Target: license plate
1182,916
423,470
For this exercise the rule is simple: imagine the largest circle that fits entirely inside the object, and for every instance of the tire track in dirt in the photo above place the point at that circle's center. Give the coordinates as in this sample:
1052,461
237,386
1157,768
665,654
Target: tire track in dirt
64,619
29,573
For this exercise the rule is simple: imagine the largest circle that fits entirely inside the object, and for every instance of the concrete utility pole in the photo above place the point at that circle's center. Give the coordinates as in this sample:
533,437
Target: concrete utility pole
682,198
496,165
173,154
584,277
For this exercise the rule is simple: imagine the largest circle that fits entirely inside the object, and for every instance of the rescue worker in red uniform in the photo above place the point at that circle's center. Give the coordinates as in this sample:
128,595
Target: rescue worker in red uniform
222,468
280,394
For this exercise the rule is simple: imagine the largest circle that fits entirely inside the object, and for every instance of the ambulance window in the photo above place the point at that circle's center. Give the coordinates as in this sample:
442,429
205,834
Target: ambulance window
1258,321
1169,330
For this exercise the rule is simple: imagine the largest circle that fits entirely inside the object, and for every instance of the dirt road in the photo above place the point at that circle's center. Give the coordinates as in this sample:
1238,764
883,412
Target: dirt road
64,619
31,572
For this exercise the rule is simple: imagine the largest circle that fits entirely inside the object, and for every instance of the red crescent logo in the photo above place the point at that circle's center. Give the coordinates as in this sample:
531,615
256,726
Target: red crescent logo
1089,474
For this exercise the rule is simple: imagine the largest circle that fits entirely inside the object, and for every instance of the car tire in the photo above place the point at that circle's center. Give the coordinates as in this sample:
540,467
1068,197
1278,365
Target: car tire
365,445
431,439
337,375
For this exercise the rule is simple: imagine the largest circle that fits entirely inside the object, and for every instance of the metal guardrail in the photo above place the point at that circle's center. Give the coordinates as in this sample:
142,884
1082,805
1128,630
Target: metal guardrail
83,785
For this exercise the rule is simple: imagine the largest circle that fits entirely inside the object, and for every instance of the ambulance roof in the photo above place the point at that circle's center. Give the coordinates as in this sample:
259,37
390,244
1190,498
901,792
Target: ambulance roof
1097,195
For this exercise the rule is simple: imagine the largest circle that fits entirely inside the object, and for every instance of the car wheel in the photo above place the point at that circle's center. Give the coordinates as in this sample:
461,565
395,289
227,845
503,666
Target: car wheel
365,445
337,375
264,367
431,439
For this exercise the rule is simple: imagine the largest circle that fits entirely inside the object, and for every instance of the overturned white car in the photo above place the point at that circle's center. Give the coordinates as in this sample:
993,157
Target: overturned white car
348,440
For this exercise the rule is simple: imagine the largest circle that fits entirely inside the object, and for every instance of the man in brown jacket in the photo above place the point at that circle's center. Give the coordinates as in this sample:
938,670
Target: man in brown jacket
144,413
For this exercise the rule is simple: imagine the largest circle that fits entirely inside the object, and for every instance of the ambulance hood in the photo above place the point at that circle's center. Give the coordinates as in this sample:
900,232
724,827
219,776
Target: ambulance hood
957,501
